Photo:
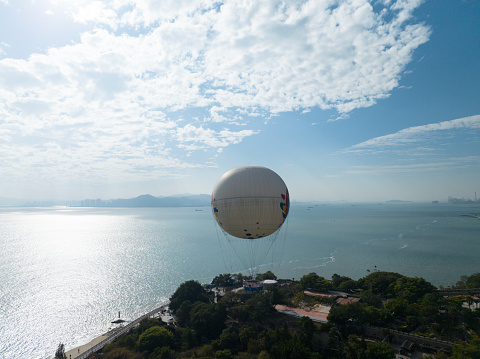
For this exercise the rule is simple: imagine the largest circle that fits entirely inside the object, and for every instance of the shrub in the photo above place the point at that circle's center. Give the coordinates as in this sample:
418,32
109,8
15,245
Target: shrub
223,354
155,337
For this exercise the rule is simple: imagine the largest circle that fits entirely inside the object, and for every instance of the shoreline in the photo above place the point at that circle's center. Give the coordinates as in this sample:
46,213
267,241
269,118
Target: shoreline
80,350
75,352
114,332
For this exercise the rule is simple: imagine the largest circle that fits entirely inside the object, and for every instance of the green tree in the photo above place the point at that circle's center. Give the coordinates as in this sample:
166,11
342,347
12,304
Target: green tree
360,312
188,338
60,352
183,312
413,309
470,301
299,298
396,306
122,353
241,312
355,348
245,334
378,282
263,355
473,281
428,312
155,337
323,285
290,349
313,281
309,280
261,306
373,316
267,275
190,290
255,346
334,344
223,280
412,322
467,350
348,286
271,337
379,350
208,320
278,295
343,313
371,299
227,340
339,279
223,354
238,278
163,353
147,323
307,329
412,289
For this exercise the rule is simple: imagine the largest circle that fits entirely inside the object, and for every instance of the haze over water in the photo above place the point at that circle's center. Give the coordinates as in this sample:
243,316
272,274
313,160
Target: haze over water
67,272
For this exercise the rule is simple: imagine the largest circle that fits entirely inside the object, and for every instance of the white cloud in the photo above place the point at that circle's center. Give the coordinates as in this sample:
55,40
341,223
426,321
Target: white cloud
109,103
446,164
194,138
96,11
318,54
414,135
276,56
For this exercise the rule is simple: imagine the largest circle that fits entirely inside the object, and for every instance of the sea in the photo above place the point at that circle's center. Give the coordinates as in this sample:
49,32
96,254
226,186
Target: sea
67,272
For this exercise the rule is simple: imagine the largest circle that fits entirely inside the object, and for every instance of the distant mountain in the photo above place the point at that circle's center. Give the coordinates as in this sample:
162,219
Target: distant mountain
147,200
398,201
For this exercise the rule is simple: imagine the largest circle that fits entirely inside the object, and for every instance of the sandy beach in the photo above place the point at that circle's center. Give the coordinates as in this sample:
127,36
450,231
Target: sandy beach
73,353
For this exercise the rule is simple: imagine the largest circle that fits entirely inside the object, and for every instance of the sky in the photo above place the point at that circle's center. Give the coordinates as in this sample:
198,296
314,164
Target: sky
347,100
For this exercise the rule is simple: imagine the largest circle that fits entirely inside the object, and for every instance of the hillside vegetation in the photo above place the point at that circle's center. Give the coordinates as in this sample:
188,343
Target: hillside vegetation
246,324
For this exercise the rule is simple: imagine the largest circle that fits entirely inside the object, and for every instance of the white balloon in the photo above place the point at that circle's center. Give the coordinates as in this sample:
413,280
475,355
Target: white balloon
250,202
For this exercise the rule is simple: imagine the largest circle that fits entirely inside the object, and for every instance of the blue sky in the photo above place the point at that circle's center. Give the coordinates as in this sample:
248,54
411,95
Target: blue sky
346,100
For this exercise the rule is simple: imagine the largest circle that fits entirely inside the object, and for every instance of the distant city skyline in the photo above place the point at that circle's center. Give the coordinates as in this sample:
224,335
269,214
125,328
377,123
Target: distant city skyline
346,101
188,200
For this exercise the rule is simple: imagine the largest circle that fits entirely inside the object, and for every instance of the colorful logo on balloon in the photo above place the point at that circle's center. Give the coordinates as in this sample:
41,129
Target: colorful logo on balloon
285,206
214,209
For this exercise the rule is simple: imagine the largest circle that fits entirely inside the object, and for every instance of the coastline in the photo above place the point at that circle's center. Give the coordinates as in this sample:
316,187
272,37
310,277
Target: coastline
100,341
75,352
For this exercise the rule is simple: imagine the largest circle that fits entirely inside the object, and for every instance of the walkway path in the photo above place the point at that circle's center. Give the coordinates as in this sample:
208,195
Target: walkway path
95,345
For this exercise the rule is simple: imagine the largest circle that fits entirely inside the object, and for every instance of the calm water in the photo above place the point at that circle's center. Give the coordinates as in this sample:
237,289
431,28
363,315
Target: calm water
67,272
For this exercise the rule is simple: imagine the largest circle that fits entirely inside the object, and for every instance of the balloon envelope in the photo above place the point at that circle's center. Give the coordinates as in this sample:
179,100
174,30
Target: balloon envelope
250,202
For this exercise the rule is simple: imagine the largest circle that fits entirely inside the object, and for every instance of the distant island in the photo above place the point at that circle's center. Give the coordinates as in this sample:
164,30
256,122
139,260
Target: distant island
147,200
398,201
